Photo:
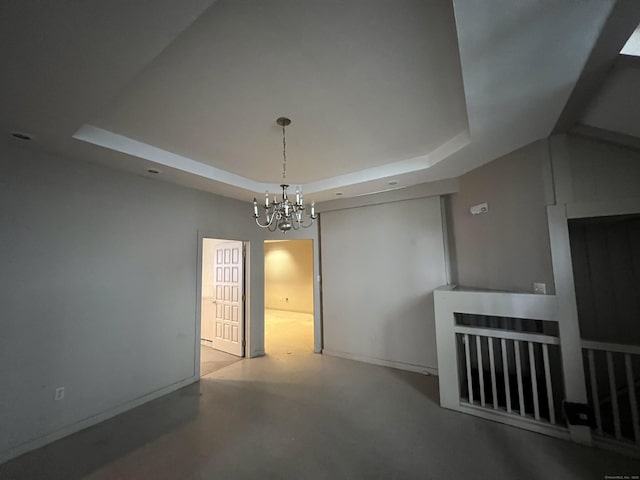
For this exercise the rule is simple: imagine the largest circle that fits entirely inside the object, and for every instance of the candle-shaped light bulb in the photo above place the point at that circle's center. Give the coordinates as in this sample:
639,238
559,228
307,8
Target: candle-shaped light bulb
255,207
313,209
298,195
266,198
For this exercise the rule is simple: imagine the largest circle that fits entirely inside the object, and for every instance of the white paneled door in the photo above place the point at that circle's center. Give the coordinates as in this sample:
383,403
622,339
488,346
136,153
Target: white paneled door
229,305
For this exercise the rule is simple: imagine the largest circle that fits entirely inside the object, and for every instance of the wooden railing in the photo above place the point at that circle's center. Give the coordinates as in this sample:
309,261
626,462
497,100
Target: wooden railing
614,404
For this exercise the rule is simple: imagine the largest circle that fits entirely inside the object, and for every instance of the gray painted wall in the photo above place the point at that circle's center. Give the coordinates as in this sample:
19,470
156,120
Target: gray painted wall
506,248
614,108
98,289
600,172
380,265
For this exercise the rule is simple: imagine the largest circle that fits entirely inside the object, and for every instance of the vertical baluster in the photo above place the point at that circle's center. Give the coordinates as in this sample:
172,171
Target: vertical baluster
547,378
480,369
632,398
614,396
594,391
467,347
534,381
505,372
516,347
492,364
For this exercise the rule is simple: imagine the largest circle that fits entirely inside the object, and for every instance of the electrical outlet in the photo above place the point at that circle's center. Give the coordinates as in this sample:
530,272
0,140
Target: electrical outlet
59,393
540,288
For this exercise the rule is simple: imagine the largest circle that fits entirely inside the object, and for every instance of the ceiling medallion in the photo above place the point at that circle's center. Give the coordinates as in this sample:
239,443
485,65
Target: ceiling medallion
284,214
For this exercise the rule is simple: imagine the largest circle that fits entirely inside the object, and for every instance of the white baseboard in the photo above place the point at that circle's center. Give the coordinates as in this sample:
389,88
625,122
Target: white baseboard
525,423
92,420
425,370
628,449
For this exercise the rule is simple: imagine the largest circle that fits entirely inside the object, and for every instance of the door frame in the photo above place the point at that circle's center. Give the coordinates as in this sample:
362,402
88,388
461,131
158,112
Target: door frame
246,290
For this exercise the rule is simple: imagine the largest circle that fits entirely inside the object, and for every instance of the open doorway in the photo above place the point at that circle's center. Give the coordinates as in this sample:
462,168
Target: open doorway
222,323
288,292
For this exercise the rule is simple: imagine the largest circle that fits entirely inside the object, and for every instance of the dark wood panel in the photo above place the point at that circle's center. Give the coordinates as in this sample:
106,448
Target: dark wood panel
606,265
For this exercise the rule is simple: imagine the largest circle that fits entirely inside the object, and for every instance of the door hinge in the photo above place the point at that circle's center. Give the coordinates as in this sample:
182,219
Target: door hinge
244,297
244,342
244,251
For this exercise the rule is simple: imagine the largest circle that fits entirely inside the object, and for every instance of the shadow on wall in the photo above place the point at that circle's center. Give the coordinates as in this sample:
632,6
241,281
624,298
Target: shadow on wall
408,341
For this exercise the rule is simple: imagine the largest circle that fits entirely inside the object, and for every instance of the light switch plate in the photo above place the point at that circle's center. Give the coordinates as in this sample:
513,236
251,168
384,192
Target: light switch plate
59,393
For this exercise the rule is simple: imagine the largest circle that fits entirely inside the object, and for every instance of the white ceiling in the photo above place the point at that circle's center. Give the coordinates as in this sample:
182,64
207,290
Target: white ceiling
406,90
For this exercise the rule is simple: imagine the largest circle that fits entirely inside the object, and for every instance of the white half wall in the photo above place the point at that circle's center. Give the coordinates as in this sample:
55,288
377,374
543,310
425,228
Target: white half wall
380,266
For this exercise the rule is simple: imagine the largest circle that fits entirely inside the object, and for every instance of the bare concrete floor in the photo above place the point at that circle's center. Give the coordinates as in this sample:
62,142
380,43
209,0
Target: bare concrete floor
212,360
308,416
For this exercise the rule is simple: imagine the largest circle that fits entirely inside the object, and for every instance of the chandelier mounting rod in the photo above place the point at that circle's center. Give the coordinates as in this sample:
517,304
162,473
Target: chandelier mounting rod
284,122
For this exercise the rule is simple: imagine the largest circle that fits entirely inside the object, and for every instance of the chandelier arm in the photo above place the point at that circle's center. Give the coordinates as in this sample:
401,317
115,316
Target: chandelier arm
309,225
269,220
261,225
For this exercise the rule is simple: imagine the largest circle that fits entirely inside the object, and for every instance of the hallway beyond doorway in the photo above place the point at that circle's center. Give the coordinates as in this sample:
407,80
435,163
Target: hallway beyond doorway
288,332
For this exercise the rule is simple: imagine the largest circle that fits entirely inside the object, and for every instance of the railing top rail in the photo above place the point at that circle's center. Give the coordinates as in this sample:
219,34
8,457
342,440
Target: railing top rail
611,347
462,290
498,304
508,334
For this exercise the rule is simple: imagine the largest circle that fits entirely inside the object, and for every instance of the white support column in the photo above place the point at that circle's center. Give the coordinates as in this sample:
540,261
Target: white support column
447,355
569,328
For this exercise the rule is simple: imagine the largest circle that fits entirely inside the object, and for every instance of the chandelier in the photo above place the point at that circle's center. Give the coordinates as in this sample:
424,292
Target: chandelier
284,214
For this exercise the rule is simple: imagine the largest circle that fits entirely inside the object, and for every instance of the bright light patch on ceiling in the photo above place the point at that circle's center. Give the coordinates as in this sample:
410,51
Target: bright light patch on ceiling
632,47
